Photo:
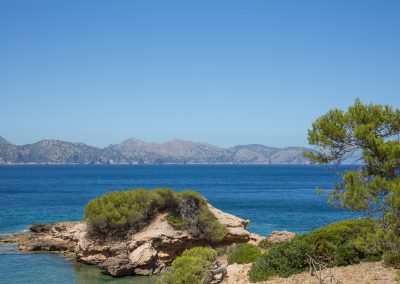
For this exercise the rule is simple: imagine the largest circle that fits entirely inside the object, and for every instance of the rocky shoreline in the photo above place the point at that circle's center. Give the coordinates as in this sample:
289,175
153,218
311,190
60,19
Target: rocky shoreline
147,252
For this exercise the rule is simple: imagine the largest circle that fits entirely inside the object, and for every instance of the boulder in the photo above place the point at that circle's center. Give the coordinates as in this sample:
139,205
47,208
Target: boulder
280,236
142,255
40,228
117,266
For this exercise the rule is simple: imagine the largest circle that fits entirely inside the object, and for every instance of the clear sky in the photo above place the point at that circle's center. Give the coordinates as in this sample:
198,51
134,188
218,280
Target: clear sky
224,72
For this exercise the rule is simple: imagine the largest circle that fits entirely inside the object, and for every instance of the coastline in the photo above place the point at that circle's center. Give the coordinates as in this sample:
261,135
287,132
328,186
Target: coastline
262,193
147,252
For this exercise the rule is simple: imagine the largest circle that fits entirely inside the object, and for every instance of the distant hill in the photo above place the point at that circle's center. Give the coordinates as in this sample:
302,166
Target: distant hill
4,141
135,151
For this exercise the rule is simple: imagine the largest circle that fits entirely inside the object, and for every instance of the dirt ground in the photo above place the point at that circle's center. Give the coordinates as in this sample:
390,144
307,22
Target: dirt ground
363,273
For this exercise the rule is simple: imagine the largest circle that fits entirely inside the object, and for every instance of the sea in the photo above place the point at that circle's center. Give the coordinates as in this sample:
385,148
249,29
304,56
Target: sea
272,197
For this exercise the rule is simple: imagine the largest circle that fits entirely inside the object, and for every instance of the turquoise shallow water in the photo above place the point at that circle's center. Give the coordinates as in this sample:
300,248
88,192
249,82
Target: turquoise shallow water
273,197
19,267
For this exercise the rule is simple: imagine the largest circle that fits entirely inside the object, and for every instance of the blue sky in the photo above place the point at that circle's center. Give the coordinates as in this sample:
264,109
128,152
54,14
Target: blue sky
223,72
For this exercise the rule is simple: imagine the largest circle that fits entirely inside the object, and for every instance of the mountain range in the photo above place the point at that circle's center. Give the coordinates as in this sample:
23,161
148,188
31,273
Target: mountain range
135,151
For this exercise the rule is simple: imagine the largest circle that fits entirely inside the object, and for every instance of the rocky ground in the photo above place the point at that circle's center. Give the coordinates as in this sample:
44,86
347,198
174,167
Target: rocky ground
363,273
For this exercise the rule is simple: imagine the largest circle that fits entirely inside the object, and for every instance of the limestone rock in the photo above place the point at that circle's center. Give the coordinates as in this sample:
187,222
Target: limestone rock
142,255
117,266
280,236
235,225
255,239
237,274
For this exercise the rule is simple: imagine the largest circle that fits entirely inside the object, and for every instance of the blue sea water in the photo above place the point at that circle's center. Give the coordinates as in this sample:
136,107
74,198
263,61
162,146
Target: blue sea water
273,197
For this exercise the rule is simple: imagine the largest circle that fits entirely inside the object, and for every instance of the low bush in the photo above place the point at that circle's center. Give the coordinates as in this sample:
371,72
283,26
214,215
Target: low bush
392,258
243,253
282,260
177,224
265,244
122,212
222,250
191,213
190,267
209,225
390,240
117,212
342,243
206,253
346,242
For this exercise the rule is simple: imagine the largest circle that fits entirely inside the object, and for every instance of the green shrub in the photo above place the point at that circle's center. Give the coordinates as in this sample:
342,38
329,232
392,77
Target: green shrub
209,225
192,206
177,224
345,242
190,267
342,243
265,244
222,250
243,253
122,212
392,258
118,212
282,260
206,253
391,244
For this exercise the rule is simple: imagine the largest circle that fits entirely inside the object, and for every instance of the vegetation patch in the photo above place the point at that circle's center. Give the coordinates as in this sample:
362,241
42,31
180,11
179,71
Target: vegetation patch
265,244
177,224
243,253
282,260
346,242
122,212
342,243
190,267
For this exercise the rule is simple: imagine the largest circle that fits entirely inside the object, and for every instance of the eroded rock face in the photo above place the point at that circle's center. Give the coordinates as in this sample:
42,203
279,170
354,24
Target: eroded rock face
235,225
117,266
147,252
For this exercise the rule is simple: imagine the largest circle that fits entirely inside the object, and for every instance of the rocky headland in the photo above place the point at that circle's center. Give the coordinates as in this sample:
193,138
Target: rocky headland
149,251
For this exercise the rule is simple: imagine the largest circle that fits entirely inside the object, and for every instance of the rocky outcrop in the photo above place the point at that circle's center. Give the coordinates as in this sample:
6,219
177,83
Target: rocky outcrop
237,274
280,236
147,252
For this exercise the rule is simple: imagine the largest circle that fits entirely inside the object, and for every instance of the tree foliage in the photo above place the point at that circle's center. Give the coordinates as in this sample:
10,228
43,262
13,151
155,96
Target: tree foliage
371,131
243,253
